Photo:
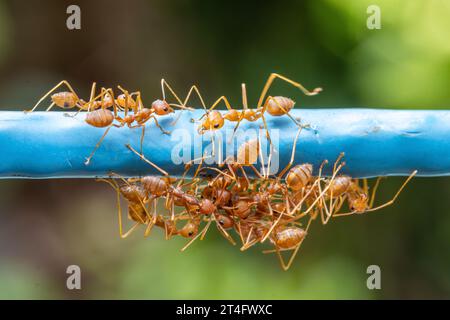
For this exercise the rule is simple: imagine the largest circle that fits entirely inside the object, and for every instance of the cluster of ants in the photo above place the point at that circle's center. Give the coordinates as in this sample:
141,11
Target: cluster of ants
277,209
102,110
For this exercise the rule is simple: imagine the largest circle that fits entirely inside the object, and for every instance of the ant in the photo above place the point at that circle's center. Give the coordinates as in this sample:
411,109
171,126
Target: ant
358,198
65,99
137,211
141,115
274,105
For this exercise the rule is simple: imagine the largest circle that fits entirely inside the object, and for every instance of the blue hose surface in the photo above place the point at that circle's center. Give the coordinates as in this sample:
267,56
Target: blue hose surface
375,141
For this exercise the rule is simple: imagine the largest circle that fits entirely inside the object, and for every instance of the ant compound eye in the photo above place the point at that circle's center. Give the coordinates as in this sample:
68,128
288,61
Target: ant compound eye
216,125
165,109
190,234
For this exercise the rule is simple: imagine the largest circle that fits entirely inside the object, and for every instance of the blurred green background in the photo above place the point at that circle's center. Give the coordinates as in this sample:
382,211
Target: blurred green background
47,225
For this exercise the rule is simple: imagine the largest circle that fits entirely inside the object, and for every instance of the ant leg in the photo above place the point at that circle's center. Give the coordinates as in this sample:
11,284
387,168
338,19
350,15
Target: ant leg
139,104
91,103
188,166
324,190
225,101
323,204
153,217
336,215
272,227
245,107
288,166
142,139
164,83
280,258
261,111
88,159
123,235
390,202
49,107
269,162
332,204
291,259
188,96
93,89
261,158
365,186
158,125
267,129
63,82
184,105
337,205
127,100
248,243
146,160
239,231
274,76
339,158
223,231
142,201
374,191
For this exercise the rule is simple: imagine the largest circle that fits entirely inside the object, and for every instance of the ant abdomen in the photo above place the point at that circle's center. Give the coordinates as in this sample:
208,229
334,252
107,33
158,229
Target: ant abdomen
299,176
65,99
133,193
288,237
100,118
339,186
136,212
278,106
154,185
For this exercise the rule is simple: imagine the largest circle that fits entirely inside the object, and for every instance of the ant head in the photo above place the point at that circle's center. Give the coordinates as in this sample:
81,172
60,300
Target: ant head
225,221
213,121
189,230
161,107
359,204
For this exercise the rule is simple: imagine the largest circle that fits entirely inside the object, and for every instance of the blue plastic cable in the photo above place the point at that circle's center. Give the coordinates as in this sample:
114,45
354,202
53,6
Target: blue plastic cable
375,141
